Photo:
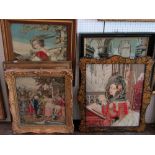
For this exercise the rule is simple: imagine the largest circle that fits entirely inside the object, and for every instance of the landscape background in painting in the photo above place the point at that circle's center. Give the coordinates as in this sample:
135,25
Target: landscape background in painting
114,94
129,47
41,100
53,36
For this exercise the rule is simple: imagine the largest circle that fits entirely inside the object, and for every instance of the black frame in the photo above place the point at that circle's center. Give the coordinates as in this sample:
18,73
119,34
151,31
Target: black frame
151,44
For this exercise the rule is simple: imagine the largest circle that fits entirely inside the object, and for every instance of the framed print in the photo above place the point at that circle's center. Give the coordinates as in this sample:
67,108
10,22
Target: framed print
129,45
40,100
40,65
2,111
39,40
114,93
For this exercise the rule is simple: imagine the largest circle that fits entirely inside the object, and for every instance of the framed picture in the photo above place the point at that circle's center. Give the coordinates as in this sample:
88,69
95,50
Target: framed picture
114,93
39,40
129,45
2,111
40,100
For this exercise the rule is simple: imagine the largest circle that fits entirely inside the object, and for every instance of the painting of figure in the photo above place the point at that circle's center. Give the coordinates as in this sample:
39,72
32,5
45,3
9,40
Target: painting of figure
39,42
114,94
41,100
128,47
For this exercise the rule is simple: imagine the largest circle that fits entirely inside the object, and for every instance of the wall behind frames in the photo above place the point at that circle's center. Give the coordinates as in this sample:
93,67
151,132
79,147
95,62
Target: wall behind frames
90,26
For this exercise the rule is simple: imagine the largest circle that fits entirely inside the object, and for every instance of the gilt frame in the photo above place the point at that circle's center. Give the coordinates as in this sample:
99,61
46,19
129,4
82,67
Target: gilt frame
17,127
147,61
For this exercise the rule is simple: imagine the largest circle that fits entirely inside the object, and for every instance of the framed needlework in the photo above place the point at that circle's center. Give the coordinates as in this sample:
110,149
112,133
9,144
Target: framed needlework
2,111
40,100
128,45
114,93
39,40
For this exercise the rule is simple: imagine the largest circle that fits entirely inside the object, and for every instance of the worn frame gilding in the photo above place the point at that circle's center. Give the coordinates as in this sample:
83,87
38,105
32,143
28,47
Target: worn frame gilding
145,98
12,74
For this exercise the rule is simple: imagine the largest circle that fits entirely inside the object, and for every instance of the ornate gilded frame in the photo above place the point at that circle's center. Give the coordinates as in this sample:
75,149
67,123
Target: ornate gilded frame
115,60
12,74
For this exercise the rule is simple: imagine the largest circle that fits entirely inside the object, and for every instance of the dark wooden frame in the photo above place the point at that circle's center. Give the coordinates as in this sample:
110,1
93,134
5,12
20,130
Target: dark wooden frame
37,65
6,32
12,74
115,60
150,51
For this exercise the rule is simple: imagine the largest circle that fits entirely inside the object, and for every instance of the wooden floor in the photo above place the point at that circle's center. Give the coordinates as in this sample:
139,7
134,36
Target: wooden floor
5,129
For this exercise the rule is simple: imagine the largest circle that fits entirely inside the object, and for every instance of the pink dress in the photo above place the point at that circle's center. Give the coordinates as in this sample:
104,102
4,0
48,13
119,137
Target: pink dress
48,110
30,109
61,102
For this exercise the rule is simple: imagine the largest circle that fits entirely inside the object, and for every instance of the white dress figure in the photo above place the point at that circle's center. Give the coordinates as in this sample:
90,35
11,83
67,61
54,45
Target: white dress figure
125,48
94,44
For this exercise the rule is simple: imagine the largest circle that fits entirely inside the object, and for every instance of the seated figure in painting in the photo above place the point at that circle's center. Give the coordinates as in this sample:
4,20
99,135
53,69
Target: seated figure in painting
112,106
52,110
39,53
117,105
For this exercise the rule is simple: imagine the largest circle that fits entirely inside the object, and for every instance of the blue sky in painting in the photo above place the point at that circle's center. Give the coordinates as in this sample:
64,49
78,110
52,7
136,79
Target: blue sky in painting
18,35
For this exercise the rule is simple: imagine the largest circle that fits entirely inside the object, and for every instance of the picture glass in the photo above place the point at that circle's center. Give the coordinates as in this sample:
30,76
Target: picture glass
129,47
41,100
114,94
39,42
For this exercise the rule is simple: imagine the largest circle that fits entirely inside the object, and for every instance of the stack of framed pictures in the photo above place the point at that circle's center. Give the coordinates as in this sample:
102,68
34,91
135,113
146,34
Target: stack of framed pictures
116,81
39,70
117,77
